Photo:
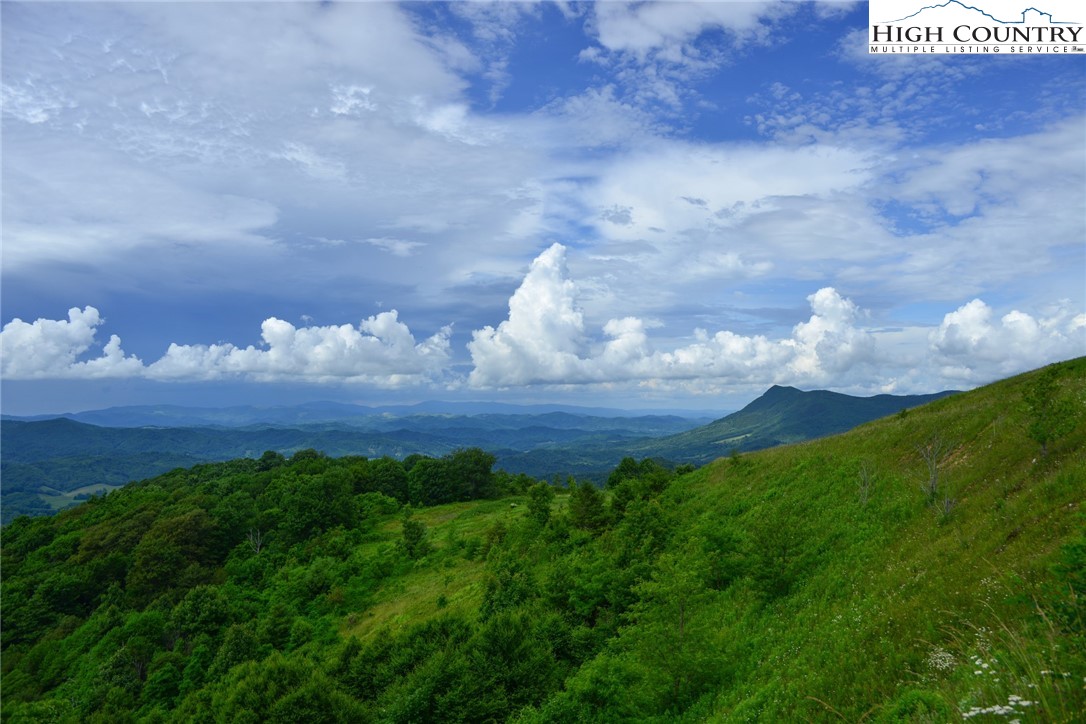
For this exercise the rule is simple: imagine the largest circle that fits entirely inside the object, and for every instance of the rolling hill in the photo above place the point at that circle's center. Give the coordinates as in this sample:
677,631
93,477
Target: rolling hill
925,567
45,460
780,416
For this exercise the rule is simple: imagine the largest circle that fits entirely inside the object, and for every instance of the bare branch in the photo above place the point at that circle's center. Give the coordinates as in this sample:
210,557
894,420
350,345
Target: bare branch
256,539
933,451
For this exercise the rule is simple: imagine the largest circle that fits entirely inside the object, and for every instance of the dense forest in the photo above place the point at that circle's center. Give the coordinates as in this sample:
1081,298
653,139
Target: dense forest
929,566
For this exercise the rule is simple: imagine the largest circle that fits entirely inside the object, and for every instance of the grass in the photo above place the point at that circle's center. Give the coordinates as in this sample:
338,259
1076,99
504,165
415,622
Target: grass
890,581
819,581
448,579
59,500
891,597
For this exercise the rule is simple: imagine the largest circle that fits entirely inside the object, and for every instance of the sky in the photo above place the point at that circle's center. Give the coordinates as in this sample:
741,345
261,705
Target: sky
635,205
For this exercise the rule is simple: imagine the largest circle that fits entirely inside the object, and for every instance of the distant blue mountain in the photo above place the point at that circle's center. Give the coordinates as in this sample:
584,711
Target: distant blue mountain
323,412
43,459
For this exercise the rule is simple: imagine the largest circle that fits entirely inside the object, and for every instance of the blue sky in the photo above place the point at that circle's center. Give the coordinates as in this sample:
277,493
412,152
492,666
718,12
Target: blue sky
636,205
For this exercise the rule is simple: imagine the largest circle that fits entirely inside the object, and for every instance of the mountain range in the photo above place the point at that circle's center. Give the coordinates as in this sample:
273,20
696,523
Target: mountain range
327,411
926,567
50,463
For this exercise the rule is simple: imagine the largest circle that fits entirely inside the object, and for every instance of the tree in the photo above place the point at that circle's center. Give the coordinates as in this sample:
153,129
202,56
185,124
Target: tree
510,583
270,459
313,503
203,610
540,497
932,452
627,469
414,536
430,483
673,635
471,470
586,509
238,645
172,554
387,476
1050,416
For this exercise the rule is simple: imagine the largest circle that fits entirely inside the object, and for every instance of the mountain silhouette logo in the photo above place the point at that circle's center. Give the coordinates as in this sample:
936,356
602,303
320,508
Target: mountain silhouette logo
1026,16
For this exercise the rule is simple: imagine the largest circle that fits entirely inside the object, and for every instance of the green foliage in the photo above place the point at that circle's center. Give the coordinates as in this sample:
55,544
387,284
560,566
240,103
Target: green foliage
1052,414
586,509
509,584
917,706
540,499
388,477
415,541
764,590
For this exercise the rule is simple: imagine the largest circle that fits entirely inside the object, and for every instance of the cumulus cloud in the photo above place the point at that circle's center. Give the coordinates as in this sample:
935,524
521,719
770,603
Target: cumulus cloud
545,340
49,348
540,339
972,345
381,351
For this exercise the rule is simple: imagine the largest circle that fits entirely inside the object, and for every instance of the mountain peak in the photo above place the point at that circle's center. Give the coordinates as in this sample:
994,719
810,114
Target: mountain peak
778,393
781,390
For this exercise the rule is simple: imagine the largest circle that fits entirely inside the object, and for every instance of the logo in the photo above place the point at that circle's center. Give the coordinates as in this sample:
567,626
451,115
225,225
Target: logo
1014,27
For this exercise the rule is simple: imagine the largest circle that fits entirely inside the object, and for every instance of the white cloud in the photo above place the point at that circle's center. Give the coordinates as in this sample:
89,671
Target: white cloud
313,163
657,48
381,351
829,344
972,346
733,181
143,155
991,212
539,340
71,202
669,27
545,341
348,99
396,247
48,348
31,103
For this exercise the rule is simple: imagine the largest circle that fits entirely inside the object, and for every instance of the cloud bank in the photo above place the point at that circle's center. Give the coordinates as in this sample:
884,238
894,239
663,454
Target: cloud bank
381,351
546,340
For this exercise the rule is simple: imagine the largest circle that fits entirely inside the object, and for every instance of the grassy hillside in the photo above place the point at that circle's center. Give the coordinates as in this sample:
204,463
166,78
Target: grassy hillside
781,416
929,566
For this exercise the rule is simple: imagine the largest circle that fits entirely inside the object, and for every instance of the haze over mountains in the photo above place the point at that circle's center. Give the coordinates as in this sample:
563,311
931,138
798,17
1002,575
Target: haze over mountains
327,411
48,462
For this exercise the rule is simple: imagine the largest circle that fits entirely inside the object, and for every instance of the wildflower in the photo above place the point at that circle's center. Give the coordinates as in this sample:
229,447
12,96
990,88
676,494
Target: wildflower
940,659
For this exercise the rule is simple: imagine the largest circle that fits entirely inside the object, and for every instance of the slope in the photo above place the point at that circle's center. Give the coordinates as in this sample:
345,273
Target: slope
923,567
781,415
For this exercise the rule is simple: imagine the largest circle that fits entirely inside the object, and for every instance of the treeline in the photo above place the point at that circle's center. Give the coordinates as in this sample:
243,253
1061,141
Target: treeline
150,540
157,601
